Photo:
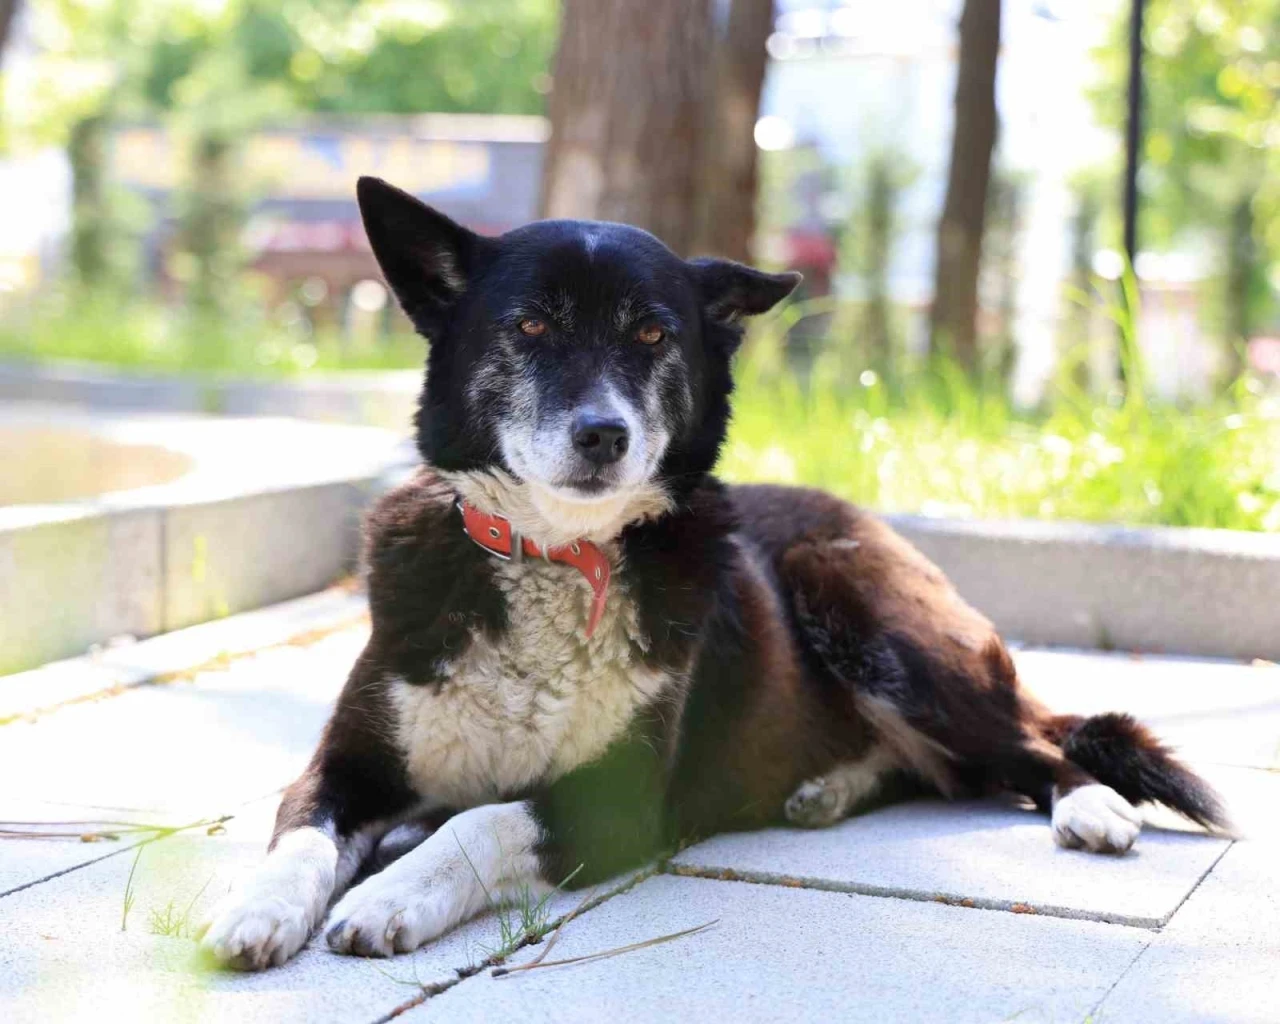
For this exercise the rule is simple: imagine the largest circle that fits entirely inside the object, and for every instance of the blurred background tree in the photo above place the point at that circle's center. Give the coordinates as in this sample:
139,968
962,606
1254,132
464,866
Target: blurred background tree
209,147
627,118
652,118
8,8
729,175
954,314
214,72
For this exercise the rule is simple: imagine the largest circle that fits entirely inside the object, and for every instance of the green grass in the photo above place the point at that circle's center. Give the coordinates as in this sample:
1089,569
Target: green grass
941,446
522,916
130,894
173,921
148,338
931,441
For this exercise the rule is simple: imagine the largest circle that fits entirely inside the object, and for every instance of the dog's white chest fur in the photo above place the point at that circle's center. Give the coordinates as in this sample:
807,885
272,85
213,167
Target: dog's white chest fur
536,704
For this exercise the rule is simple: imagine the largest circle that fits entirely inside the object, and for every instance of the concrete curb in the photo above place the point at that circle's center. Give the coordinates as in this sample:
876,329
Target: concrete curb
1214,593
136,573
269,509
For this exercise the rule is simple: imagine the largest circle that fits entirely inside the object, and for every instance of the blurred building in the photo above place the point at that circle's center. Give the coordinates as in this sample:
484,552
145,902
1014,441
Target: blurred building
299,180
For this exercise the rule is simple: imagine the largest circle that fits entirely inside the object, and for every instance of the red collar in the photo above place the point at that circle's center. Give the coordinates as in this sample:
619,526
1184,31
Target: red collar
494,534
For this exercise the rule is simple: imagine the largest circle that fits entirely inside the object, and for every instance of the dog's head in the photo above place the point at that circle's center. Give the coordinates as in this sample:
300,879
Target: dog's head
578,374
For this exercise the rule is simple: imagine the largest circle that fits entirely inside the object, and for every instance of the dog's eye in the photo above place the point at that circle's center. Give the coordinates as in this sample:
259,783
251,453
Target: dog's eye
650,335
533,326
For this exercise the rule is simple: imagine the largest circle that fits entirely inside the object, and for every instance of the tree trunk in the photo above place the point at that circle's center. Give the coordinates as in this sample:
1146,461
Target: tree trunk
1242,267
211,224
8,12
627,114
727,198
90,220
955,299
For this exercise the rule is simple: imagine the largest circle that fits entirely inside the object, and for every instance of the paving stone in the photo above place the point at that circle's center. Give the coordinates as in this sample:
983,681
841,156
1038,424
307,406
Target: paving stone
191,749
1217,711
63,955
1252,796
168,754
126,665
984,852
25,862
780,954
1217,960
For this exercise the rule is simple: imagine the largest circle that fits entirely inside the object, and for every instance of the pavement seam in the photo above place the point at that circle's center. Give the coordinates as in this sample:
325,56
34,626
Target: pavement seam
1205,874
915,896
219,662
74,867
472,970
1096,1009
159,836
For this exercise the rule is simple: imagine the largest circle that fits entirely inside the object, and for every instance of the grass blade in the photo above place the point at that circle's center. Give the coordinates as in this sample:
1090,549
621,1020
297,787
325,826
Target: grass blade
502,972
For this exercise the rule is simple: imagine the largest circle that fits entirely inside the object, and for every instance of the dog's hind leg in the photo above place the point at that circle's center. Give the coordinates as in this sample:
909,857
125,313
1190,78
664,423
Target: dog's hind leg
849,788
935,683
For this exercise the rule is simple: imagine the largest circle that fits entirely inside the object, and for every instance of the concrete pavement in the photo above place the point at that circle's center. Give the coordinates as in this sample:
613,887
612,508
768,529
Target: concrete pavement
919,912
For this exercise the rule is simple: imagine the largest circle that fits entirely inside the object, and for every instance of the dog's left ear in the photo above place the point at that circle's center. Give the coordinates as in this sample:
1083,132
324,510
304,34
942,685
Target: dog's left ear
731,290
426,258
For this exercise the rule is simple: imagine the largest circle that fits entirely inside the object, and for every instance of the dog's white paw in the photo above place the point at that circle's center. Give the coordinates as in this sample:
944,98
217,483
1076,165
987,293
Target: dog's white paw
251,932
1097,818
385,915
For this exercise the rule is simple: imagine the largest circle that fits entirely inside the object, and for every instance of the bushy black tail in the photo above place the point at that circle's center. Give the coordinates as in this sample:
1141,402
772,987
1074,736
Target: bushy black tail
1122,753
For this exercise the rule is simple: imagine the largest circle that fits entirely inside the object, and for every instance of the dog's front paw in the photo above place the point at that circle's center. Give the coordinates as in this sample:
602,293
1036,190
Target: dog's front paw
251,933
383,916
1097,818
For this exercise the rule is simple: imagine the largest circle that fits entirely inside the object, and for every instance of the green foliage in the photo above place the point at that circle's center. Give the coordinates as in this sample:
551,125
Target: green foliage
929,439
867,250
213,72
937,443
1211,158
175,922
358,56
130,894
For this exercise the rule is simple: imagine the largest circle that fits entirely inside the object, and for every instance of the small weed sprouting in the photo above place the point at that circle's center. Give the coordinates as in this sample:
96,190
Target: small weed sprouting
168,918
524,918
130,896
171,922
521,919
168,922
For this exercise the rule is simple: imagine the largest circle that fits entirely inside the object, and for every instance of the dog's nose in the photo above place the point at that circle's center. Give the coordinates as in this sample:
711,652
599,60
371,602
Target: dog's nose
600,439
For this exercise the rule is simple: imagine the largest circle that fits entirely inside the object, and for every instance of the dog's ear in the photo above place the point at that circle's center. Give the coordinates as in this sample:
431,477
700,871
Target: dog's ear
731,290
426,258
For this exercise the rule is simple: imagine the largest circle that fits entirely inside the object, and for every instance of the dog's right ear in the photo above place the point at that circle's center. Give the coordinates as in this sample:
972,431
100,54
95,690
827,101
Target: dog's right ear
426,258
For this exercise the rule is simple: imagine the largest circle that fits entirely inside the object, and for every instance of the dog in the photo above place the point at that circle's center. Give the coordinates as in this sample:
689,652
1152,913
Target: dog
587,651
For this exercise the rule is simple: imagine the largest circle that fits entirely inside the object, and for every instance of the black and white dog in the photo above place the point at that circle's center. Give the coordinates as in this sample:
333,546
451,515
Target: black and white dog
587,651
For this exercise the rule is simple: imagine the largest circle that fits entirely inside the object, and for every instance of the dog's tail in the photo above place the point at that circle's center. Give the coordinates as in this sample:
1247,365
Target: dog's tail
1122,753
